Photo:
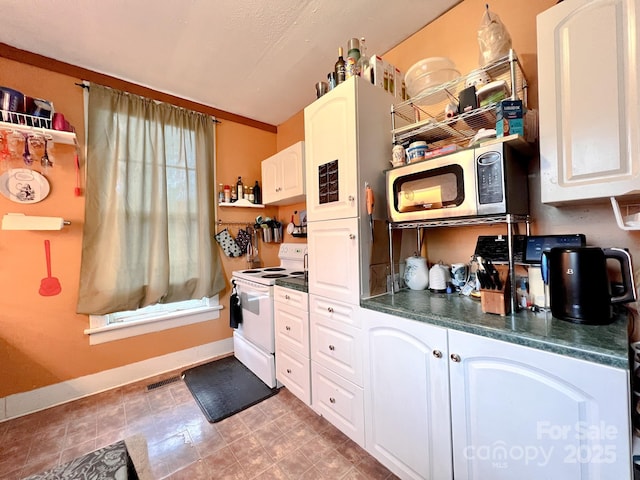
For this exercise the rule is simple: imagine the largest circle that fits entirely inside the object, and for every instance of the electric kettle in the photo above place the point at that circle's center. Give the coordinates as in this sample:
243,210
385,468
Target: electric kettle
579,284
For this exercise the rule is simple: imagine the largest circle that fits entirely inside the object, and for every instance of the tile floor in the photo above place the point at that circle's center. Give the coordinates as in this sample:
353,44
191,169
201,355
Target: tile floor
280,438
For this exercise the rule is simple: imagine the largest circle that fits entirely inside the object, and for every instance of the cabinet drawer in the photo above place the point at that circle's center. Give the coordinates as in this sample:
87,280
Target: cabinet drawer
337,347
339,401
291,297
335,310
292,329
294,372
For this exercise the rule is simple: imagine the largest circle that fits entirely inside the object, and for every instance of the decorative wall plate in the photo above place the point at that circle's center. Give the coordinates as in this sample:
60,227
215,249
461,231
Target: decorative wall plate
23,185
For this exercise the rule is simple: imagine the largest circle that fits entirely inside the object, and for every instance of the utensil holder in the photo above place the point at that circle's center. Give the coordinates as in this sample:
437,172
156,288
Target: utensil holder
267,235
277,234
497,300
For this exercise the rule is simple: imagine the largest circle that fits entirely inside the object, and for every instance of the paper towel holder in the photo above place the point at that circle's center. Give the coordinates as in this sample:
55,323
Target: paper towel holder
20,221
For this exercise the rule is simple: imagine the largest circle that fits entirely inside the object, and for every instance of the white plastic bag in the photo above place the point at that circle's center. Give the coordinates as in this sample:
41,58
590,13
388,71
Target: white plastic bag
493,38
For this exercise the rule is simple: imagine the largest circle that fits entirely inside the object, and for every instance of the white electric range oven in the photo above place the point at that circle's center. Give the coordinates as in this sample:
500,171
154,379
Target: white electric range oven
254,339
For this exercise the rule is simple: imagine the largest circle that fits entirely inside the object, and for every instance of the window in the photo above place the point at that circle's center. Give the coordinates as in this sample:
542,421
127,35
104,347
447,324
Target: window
147,247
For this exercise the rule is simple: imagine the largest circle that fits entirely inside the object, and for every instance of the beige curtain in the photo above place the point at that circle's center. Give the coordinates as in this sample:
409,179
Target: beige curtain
149,205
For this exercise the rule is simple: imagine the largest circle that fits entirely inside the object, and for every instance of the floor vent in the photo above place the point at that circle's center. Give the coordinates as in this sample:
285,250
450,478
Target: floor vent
164,382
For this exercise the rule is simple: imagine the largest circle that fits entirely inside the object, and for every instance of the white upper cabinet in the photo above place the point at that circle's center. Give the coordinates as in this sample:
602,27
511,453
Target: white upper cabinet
283,176
348,144
589,100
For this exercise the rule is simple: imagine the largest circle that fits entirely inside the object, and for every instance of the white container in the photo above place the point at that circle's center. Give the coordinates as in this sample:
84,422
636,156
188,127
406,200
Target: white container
416,273
416,152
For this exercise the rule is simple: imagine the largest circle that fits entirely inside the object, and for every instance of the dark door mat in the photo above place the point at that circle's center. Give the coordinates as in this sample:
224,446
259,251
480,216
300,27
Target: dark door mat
225,387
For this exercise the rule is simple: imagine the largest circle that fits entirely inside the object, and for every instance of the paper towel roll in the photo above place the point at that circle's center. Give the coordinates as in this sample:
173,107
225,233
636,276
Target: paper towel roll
19,221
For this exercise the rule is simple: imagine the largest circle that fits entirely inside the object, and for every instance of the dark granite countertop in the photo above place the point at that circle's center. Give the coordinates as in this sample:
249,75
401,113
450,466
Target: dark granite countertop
604,344
295,283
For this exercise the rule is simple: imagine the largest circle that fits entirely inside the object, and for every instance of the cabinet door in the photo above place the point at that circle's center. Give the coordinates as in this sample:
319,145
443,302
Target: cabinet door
292,173
283,176
289,296
270,180
518,412
294,372
407,423
334,262
292,328
589,95
337,347
331,155
339,401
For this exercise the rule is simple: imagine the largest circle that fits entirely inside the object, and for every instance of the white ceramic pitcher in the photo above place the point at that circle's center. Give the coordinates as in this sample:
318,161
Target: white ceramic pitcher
416,273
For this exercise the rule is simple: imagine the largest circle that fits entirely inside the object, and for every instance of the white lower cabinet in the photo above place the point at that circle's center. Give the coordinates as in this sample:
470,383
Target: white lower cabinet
339,401
518,412
407,396
515,412
293,367
337,365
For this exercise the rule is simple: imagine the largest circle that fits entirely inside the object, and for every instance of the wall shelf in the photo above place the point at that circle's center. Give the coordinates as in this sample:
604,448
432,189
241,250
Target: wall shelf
241,203
58,136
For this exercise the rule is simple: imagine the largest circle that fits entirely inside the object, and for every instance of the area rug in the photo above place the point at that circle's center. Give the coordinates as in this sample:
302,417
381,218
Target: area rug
108,463
225,387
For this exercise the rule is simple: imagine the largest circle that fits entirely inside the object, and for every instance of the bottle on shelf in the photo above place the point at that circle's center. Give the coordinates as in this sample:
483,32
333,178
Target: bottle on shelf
220,193
257,193
340,68
234,193
363,61
227,194
240,189
353,55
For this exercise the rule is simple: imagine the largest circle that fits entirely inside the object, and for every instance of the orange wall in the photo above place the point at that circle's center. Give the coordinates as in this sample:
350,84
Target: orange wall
41,338
454,35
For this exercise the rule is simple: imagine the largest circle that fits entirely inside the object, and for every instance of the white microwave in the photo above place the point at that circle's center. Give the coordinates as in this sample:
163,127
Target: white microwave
485,180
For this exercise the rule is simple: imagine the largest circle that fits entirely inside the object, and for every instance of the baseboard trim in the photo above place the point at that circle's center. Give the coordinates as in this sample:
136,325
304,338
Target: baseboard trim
32,401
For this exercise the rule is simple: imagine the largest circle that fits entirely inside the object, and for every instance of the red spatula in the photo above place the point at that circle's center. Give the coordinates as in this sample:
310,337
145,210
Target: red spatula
50,285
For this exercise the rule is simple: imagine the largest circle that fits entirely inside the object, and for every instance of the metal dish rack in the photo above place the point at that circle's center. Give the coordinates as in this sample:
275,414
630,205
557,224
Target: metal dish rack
423,117
29,124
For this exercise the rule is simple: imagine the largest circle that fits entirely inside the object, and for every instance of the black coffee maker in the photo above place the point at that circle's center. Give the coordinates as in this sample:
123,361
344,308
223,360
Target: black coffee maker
579,284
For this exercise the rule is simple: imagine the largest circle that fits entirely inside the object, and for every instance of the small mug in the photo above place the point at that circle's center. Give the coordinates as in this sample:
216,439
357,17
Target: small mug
459,274
398,156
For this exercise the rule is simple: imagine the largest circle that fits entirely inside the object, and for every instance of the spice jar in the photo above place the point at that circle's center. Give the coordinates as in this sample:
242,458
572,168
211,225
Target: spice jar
227,194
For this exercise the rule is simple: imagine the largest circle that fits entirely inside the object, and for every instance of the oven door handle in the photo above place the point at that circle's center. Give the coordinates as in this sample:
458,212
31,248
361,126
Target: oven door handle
252,286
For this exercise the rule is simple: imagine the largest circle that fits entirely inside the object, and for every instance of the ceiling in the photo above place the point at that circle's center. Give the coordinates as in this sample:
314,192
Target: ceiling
253,58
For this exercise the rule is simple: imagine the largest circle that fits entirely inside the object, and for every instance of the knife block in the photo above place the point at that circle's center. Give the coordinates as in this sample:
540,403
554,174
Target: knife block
497,301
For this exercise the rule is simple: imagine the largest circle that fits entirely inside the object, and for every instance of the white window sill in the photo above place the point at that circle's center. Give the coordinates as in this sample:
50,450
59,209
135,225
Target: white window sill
160,321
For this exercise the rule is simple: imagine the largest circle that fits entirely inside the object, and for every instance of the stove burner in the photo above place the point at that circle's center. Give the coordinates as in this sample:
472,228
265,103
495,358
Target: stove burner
273,269
251,271
275,275
297,273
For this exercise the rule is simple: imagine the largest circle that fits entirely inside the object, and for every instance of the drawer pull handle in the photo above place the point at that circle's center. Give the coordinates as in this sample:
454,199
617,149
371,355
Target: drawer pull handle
330,309
287,297
437,353
332,400
288,370
352,198
332,347
287,328
455,357
352,236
